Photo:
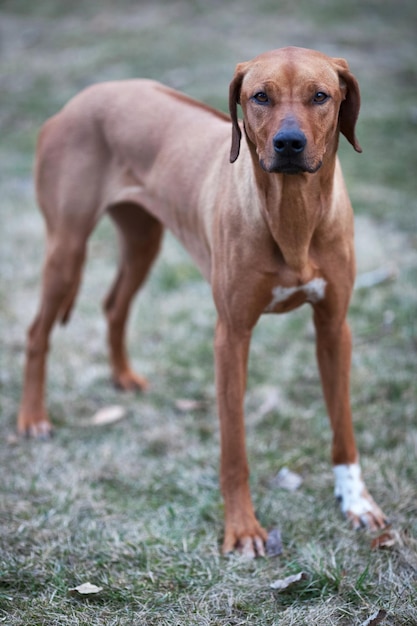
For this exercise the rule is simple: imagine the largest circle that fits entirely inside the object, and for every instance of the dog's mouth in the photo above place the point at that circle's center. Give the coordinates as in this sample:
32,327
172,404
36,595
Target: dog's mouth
290,167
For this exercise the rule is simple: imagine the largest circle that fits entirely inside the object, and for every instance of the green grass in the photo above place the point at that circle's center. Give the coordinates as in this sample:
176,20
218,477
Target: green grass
135,507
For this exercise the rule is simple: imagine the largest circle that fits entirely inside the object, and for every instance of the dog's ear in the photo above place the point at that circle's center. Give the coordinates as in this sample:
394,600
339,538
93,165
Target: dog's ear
349,109
234,100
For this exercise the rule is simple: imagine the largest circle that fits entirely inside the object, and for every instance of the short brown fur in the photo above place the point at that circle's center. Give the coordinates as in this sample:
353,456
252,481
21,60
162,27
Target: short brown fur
153,158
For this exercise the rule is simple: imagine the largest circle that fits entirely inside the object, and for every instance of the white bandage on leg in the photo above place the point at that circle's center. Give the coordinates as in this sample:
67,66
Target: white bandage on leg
350,490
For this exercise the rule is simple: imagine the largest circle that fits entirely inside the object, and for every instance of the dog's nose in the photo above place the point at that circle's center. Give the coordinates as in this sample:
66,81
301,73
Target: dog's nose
289,142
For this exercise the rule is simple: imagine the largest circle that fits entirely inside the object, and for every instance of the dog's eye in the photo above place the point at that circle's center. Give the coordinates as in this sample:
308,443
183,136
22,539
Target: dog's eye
261,97
320,97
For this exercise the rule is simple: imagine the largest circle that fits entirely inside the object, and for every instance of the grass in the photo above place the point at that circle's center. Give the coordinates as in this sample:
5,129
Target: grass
135,507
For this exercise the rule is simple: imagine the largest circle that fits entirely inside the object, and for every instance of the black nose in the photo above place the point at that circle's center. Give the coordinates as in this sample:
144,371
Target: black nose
289,142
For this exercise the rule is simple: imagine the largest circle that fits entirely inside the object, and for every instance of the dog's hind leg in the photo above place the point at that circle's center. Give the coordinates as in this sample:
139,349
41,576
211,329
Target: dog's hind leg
61,277
140,237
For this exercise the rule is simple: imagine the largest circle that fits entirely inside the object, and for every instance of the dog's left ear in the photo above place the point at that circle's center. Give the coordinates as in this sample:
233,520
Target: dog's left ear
349,109
234,100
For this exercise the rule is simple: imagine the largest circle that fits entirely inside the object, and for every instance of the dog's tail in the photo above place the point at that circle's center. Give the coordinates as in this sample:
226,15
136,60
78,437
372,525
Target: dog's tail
64,314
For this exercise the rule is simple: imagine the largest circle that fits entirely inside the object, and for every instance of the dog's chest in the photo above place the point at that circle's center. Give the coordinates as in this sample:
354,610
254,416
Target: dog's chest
285,298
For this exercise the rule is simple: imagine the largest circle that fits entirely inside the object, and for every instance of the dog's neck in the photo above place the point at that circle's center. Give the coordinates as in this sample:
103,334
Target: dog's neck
295,217
293,209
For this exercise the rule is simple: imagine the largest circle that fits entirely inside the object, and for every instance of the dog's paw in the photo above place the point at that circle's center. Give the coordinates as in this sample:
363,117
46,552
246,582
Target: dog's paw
356,503
248,542
129,381
248,547
35,429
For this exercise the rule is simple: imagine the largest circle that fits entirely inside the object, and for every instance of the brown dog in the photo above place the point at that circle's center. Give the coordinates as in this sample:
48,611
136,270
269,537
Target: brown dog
270,232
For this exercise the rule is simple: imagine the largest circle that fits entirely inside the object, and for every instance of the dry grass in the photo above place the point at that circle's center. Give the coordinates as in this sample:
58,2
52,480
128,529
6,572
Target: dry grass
135,507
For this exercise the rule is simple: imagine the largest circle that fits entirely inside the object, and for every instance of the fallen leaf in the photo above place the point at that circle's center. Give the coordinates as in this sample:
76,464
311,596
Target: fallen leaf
12,439
270,403
107,415
375,619
273,545
283,583
387,539
187,404
286,479
376,277
85,589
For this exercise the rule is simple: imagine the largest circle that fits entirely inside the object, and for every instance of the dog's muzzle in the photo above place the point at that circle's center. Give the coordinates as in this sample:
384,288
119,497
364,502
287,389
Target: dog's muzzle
289,144
289,150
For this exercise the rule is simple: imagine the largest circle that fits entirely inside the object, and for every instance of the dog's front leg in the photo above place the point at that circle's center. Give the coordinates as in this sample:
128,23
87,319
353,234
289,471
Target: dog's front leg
334,348
242,530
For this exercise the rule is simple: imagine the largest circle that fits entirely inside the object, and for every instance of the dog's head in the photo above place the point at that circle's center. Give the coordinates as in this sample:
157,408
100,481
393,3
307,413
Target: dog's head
294,103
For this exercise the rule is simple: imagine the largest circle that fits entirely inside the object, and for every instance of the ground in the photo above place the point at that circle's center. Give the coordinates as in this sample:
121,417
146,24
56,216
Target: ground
134,506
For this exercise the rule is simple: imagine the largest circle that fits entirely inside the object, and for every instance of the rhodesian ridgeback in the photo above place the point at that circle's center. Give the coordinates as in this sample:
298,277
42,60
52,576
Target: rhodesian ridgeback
262,208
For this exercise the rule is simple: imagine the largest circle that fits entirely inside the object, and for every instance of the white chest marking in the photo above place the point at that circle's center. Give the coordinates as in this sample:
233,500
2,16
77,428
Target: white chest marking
350,490
313,290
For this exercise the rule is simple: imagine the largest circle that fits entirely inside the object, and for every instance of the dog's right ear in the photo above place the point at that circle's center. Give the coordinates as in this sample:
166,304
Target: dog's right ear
234,100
